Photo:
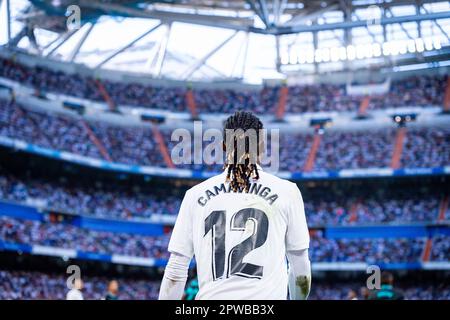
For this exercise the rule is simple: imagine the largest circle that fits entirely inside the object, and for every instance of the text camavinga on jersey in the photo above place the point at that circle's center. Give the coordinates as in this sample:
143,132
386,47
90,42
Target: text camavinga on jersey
255,188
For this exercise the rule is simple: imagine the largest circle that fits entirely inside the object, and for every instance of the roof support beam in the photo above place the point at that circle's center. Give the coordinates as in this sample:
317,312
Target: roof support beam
200,19
264,11
258,11
202,61
300,19
80,43
64,38
402,27
362,23
438,25
244,60
130,44
8,21
162,51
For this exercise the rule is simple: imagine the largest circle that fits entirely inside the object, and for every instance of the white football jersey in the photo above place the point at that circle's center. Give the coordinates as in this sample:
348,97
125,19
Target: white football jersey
240,239
74,294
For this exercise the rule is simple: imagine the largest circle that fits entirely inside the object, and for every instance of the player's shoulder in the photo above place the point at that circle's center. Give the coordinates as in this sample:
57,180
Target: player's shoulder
286,185
204,185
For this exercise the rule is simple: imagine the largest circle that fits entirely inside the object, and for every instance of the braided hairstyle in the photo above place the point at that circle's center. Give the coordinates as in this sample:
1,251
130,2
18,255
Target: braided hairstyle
241,169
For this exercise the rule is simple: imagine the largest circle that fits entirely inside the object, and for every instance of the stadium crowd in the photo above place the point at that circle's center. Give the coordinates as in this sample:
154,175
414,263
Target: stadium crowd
68,236
18,285
355,291
440,250
393,205
352,150
99,200
412,91
371,206
34,285
424,147
63,235
378,250
415,91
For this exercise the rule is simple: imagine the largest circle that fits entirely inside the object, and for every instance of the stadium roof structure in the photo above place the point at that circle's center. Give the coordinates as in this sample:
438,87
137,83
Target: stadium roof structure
246,40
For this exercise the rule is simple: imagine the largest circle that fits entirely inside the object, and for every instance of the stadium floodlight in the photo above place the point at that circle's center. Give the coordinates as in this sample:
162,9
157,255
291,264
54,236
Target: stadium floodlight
335,54
325,54
284,58
437,43
310,56
403,49
364,51
376,49
318,58
360,51
368,51
386,48
411,46
419,45
428,44
293,57
302,58
395,48
342,53
351,52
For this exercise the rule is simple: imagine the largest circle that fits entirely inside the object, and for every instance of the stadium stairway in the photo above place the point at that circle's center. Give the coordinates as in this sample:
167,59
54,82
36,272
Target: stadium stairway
96,141
310,160
443,207
426,252
353,211
398,147
447,96
363,106
162,146
282,100
190,101
101,88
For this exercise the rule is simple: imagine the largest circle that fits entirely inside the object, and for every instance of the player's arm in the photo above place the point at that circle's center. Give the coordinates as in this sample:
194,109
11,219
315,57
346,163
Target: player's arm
299,274
297,244
182,249
175,276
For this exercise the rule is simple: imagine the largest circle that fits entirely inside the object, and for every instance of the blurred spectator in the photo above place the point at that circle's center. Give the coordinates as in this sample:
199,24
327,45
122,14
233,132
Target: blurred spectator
421,90
19,285
440,249
371,251
70,237
136,145
387,291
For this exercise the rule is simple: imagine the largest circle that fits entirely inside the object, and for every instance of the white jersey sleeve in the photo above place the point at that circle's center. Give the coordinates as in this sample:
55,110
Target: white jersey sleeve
74,294
181,241
297,235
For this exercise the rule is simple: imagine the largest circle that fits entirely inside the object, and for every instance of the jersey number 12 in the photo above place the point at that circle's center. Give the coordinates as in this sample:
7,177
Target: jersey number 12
215,223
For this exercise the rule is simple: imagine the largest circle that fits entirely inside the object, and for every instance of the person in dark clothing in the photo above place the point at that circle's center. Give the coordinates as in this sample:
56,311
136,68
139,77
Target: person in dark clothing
387,291
113,290
191,290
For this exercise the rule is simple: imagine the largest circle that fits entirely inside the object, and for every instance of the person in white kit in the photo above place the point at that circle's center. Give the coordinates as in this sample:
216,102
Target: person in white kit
75,292
240,226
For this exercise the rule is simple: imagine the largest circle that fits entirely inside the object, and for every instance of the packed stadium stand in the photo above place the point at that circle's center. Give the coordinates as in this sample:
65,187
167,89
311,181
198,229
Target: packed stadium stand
15,285
137,145
414,91
87,175
37,285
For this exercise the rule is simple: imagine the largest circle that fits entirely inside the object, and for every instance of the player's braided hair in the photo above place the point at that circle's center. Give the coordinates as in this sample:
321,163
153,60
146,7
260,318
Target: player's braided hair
239,172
